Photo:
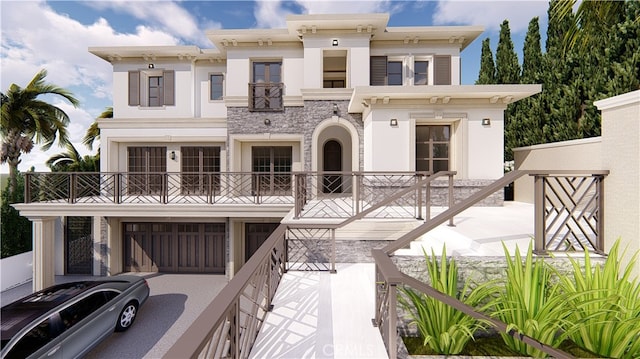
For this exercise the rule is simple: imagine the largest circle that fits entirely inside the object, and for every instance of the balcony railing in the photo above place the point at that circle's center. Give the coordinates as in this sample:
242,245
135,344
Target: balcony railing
266,97
183,188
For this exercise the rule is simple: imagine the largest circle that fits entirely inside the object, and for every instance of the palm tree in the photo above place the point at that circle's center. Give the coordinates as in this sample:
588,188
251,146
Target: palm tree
28,120
72,161
93,132
590,18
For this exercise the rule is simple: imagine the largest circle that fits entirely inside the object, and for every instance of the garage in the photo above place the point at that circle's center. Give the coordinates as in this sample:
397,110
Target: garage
174,247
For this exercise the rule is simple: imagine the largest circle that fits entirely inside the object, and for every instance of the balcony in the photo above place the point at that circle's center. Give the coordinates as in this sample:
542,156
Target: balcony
266,97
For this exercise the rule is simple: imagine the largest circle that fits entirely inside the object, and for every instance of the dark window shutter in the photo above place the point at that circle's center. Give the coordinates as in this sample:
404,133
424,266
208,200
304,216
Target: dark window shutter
134,88
169,88
378,71
442,70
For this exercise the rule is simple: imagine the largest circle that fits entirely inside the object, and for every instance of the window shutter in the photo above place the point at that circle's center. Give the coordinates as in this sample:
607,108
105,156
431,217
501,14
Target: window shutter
442,70
378,71
134,88
169,88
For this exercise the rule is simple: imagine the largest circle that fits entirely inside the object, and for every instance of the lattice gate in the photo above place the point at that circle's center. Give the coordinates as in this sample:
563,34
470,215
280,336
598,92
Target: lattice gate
310,249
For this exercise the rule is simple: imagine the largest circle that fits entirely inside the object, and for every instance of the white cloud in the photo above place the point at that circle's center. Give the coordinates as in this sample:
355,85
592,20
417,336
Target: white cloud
490,14
36,37
272,14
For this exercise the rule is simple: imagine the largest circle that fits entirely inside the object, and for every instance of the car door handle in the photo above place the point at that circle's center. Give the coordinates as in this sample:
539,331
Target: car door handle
112,308
53,351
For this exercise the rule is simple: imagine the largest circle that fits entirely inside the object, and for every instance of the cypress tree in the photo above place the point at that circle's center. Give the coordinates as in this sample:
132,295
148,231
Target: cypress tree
532,54
487,73
507,66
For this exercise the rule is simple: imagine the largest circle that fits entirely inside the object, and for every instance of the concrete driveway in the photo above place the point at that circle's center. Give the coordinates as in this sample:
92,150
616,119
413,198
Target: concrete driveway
174,302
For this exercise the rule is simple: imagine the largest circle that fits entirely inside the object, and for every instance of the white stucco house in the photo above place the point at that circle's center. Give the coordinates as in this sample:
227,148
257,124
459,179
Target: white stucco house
194,127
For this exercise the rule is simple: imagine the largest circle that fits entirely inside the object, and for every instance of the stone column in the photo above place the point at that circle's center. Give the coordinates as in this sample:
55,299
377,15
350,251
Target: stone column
621,156
43,252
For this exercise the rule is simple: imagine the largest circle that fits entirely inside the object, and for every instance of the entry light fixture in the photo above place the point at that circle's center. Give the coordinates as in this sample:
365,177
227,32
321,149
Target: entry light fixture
334,42
486,121
393,122
173,155
151,66
267,121
335,109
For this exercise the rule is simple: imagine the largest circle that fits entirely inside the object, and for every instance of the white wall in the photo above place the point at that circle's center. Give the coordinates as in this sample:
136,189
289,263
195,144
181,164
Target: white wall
476,150
16,270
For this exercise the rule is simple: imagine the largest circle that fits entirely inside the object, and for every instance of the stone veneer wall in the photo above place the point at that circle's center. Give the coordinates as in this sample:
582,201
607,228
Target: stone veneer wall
104,246
293,120
478,269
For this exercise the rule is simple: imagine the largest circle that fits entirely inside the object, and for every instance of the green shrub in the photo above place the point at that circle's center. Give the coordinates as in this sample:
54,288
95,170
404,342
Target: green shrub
444,329
15,230
605,307
530,304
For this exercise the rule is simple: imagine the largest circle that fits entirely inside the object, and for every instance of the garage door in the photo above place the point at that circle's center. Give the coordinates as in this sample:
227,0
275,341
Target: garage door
174,247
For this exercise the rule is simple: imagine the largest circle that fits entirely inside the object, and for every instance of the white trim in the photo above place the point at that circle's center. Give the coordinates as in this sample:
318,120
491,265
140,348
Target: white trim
560,144
617,101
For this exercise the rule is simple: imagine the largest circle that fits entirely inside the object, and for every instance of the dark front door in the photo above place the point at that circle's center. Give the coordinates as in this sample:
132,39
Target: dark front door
79,245
332,162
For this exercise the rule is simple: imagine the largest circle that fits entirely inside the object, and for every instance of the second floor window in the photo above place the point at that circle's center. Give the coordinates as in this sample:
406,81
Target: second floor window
265,92
384,72
216,82
153,88
420,73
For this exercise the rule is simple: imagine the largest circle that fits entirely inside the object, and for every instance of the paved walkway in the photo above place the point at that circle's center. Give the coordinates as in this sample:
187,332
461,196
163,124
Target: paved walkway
323,315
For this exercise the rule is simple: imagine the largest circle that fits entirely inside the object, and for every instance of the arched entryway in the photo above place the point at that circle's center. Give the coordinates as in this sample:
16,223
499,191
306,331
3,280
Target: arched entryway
332,162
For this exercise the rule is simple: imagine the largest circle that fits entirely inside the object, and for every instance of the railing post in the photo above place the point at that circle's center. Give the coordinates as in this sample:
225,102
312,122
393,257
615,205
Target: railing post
419,199
600,218
72,188
27,187
333,250
117,177
165,188
392,346
451,199
427,209
539,210
296,196
358,187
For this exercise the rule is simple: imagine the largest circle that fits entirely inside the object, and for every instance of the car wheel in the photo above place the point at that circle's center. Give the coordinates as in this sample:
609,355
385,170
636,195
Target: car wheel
127,316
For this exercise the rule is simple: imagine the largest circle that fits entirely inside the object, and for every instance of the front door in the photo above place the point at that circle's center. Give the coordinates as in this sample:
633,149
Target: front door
79,245
332,157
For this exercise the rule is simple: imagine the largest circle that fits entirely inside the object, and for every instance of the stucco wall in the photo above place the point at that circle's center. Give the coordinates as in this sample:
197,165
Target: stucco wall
621,156
584,154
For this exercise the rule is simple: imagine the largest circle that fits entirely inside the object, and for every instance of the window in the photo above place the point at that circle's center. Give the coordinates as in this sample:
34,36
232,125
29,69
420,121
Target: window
76,312
36,338
153,88
420,73
272,166
200,169
432,147
216,89
147,166
265,91
384,72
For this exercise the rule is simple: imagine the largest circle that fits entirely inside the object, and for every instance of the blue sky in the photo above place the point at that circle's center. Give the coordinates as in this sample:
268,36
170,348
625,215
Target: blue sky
55,35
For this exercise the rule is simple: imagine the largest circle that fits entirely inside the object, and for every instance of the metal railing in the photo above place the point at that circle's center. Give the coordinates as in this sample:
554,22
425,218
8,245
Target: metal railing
577,195
266,97
164,187
229,325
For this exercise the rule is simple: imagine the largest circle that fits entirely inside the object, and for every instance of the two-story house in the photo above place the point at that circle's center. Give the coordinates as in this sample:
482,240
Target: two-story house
197,161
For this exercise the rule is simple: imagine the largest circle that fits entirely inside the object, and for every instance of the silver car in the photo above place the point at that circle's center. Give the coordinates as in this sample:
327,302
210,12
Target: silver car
68,320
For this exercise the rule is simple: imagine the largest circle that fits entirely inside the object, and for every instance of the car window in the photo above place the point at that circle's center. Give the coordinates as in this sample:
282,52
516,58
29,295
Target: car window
82,309
36,338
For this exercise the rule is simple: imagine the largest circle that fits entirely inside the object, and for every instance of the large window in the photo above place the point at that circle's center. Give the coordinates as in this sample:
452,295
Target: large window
265,91
152,88
216,82
272,166
200,169
147,167
432,147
